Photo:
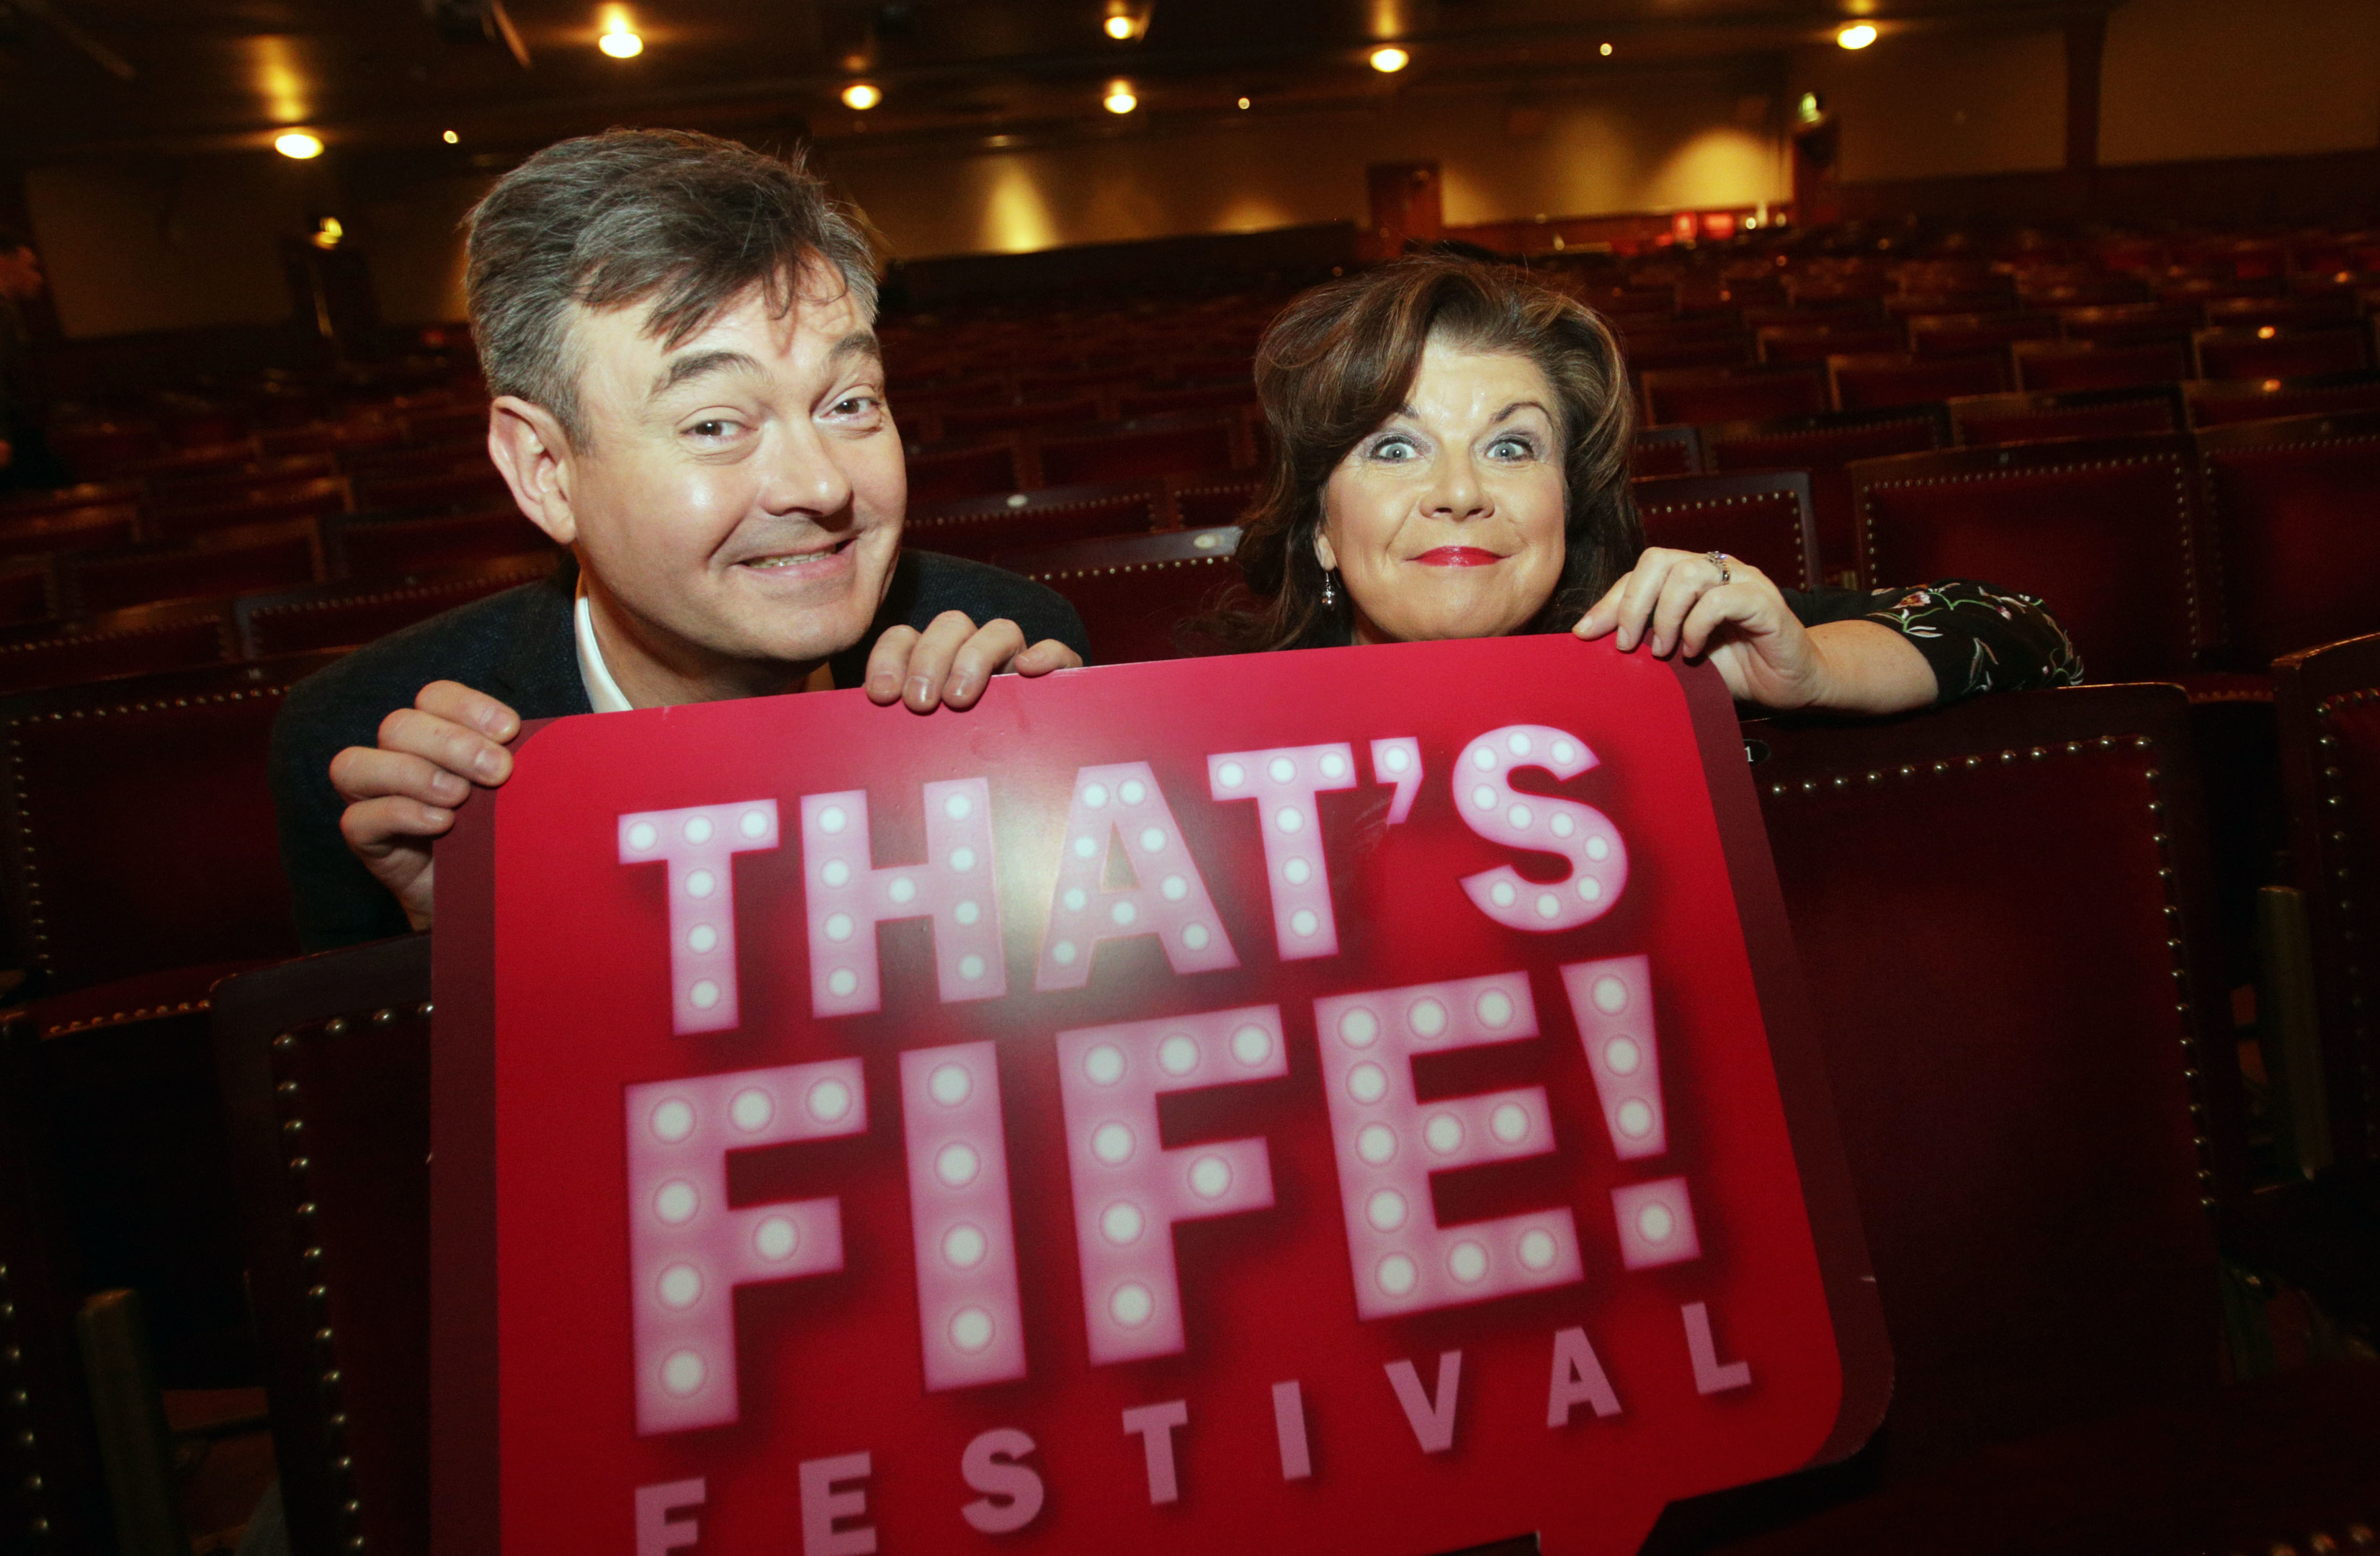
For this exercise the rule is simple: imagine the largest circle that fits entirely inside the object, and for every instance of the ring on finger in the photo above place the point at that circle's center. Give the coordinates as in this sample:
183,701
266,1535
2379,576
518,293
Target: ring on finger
1719,559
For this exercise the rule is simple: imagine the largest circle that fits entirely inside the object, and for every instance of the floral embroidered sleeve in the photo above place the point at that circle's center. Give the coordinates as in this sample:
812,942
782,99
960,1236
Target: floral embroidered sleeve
1977,638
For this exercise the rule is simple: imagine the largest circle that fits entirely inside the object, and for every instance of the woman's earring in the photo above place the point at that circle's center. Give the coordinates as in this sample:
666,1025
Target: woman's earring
1330,588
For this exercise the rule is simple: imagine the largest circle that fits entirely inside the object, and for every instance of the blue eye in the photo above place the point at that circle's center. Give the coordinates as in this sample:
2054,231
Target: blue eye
1511,448
1396,449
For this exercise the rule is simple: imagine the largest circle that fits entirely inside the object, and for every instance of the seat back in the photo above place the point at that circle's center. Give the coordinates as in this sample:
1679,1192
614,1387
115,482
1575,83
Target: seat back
1699,396
235,562
1986,421
390,546
980,526
1760,516
1140,452
341,615
2276,352
949,475
303,500
139,640
92,529
1824,445
1815,343
2066,365
324,1066
1132,591
2004,916
1665,451
2106,529
1973,335
1870,383
137,832
2295,509
2215,403
2132,323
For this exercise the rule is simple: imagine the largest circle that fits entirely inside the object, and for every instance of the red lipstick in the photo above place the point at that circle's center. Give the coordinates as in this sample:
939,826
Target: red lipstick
1458,556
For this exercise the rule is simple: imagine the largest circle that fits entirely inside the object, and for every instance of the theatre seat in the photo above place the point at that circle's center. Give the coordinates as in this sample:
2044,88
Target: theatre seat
137,829
1699,396
1213,501
383,546
2004,917
2066,365
1760,516
1984,421
1665,451
228,562
2132,323
1815,343
141,639
944,475
2215,403
1133,590
1140,451
2106,529
2295,508
980,527
324,1066
92,528
1824,446
2272,352
1971,334
1872,382
341,615
279,503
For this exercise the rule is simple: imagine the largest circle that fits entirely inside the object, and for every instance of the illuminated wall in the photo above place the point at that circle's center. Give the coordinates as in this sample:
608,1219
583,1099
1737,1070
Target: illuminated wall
1645,144
2188,79
1921,107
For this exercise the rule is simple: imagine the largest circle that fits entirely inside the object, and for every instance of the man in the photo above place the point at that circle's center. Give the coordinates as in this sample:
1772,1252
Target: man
25,459
688,395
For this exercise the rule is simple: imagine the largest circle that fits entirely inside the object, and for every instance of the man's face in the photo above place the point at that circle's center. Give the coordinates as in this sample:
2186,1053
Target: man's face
739,500
21,274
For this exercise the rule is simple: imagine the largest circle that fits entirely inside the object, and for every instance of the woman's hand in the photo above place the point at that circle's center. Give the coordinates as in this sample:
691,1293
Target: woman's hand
1730,613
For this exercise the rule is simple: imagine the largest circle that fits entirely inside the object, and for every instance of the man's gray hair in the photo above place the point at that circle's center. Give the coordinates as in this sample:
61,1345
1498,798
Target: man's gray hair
681,221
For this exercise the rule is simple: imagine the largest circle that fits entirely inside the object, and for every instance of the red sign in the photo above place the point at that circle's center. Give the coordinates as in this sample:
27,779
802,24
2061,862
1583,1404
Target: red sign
1351,1100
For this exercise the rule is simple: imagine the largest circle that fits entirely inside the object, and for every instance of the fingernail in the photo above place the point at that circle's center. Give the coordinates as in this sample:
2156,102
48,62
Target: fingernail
961,687
487,765
921,688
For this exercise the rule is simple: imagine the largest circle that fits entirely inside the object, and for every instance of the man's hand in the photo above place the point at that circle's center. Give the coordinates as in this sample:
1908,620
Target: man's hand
401,795
951,663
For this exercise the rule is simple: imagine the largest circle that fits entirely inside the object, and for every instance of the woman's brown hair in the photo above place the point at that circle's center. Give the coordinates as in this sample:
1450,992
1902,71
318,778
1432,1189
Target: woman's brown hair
1341,358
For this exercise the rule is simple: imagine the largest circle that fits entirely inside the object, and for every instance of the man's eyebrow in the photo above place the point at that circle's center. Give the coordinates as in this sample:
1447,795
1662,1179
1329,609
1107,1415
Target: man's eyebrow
858,343
700,363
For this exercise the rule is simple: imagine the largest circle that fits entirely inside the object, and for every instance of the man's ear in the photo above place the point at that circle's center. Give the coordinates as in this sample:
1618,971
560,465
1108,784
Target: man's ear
529,446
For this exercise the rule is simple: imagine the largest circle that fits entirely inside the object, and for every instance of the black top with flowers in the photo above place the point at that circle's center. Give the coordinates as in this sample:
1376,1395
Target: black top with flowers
1977,638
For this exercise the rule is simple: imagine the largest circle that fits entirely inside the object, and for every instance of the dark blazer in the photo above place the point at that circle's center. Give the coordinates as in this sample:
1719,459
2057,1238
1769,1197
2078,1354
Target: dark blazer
520,648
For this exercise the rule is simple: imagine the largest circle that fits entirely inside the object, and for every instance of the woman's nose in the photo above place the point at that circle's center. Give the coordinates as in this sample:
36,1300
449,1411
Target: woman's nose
1458,491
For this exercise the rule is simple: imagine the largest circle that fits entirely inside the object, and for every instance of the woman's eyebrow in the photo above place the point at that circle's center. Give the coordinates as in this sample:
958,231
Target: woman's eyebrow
1516,407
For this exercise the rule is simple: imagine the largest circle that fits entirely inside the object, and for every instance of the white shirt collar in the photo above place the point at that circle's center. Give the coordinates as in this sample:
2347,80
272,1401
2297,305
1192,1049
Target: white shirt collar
603,693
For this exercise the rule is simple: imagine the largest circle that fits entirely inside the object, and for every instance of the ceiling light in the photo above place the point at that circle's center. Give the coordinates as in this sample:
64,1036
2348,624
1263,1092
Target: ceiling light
1388,60
451,139
298,145
1120,100
1605,50
1858,35
860,97
1120,27
620,42
1246,103
327,233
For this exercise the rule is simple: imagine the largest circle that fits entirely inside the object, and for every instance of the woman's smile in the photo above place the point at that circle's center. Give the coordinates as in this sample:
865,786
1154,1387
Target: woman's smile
1458,556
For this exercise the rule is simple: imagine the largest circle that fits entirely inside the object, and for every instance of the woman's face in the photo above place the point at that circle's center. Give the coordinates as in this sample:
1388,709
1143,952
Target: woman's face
1447,520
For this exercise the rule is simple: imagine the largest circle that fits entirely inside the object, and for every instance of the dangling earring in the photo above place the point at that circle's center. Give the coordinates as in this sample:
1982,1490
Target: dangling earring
1330,588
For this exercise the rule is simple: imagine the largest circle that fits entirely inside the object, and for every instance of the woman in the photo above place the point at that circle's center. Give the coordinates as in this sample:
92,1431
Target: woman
1450,459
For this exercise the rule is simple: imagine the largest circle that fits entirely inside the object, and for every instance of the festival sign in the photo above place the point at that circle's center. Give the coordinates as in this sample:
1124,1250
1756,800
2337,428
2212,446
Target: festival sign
1353,1101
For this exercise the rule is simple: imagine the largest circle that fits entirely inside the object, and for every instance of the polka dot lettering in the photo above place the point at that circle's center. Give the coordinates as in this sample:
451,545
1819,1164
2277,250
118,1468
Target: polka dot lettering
1580,833
1167,899
1288,815
1656,1223
970,1318
698,845
1129,1190
1402,1261
1612,1003
1397,761
848,902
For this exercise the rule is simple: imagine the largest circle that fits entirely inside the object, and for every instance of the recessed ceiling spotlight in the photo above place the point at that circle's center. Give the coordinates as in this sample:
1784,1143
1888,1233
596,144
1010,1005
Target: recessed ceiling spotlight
451,139
1390,60
298,146
860,97
620,41
1120,100
1246,103
1605,50
1119,27
1858,35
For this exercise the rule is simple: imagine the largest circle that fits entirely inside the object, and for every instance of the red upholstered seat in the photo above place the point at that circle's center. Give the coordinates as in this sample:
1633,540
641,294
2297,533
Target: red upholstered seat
2306,308
341,615
247,479
1162,402
469,483
2281,352
1870,383
1824,446
1981,420
1214,500
2132,323
1134,591
1665,451
943,475
1140,451
105,879
2214,403
277,503
974,420
92,529
1698,397
1760,516
1671,355
381,546
2065,365
980,527
325,1073
2003,913
229,562
139,640
28,589
2295,509
2107,530
1815,343
1972,334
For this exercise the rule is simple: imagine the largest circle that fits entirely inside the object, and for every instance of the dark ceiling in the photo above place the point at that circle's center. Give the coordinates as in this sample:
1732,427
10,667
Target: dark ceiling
80,78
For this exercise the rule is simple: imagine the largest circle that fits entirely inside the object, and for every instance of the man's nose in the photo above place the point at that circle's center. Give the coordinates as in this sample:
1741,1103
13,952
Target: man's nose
803,475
